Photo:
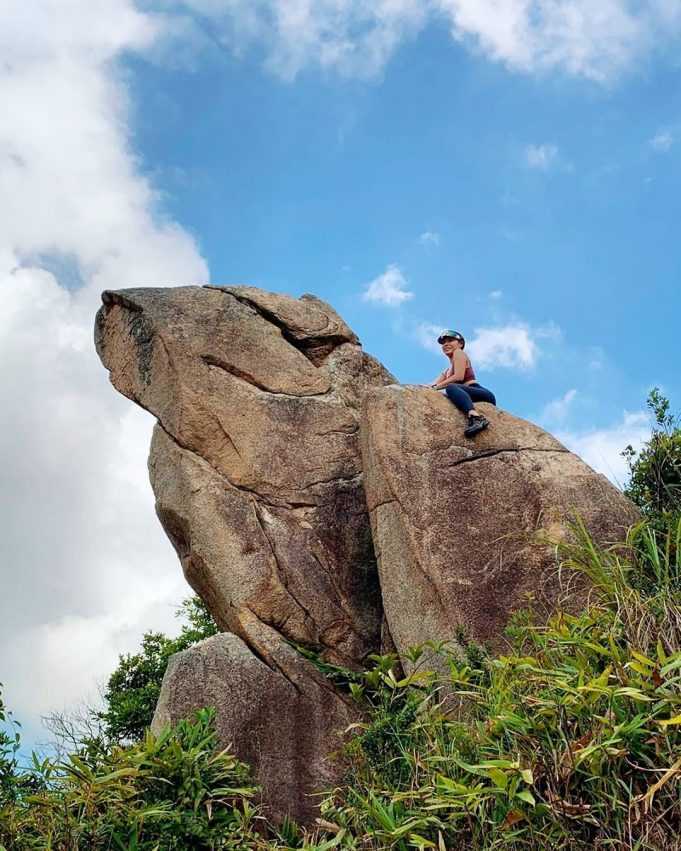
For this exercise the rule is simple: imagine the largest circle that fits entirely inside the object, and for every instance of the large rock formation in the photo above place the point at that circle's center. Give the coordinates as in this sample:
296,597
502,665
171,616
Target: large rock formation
256,471
463,528
256,467
288,730
255,459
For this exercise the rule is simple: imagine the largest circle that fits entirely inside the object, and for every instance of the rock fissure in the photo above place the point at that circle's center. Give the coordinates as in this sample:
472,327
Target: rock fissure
318,632
381,504
230,440
164,346
380,462
494,452
258,650
281,574
265,499
215,363
355,477
183,446
350,615
316,347
345,431
260,653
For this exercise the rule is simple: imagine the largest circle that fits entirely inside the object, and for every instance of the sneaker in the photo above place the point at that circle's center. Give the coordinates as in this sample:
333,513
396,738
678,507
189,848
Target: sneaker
475,424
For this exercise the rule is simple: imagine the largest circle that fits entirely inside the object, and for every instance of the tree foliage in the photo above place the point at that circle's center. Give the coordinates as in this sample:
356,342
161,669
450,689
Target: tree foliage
133,688
655,471
170,792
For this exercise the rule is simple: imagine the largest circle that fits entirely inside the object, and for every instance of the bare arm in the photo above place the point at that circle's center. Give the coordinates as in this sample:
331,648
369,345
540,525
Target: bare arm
459,361
439,379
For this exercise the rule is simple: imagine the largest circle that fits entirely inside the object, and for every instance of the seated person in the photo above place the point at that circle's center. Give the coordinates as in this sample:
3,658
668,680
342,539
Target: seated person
458,382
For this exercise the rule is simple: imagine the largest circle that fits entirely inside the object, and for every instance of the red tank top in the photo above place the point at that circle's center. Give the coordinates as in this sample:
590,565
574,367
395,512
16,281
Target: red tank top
469,374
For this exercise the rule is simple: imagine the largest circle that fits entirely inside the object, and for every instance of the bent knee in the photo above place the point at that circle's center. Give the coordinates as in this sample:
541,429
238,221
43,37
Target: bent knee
454,392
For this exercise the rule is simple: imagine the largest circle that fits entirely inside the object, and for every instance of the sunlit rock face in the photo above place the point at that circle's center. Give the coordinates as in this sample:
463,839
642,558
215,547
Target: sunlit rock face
465,529
286,462
255,466
255,459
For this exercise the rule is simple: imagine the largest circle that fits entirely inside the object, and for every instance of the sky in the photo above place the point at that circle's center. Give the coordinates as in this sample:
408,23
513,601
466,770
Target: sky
507,168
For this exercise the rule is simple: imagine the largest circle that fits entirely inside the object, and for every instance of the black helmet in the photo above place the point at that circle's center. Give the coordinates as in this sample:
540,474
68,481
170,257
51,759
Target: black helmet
448,334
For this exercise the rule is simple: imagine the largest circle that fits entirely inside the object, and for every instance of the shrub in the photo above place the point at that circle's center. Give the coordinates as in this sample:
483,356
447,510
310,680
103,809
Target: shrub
10,782
174,791
655,471
134,687
571,741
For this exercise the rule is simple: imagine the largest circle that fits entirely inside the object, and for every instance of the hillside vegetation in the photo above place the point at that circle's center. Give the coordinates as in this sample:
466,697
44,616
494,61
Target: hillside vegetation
570,740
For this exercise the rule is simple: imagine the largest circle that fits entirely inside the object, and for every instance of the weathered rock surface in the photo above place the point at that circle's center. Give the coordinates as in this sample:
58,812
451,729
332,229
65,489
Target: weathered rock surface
255,460
460,526
261,487
255,465
288,730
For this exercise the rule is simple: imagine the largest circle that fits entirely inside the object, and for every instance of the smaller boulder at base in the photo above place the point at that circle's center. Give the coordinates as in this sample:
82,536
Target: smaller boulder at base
287,724
465,529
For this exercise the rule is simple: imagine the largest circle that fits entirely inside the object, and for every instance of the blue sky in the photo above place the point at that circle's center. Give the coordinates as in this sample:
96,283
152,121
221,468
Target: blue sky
509,168
549,192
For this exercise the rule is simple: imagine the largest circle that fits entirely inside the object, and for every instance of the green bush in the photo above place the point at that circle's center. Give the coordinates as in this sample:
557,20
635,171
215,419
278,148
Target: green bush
571,741
134,687
174,791
655,471
9,745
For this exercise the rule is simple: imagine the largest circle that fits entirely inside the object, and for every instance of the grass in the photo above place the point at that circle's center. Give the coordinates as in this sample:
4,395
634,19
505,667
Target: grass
570,741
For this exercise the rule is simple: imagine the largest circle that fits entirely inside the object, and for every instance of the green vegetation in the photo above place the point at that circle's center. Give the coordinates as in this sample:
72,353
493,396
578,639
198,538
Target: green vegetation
9,745
655,472
133,688
175,791
571,740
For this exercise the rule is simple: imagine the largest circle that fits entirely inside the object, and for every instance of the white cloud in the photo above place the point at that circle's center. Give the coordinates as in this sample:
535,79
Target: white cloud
511,346
429,238
541,157
602,448
352,37
548,331
426,334
87,568
595,40
495,295
558,409
514,345
389,289
662,142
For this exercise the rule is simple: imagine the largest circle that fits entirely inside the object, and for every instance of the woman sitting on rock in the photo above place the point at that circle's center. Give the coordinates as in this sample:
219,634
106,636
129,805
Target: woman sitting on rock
458,382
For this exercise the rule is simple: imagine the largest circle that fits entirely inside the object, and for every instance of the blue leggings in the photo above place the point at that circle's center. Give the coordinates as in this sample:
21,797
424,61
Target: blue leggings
464,396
